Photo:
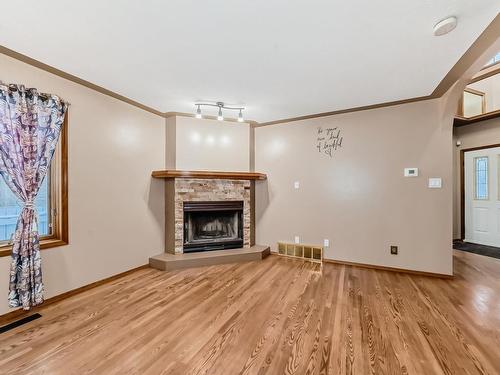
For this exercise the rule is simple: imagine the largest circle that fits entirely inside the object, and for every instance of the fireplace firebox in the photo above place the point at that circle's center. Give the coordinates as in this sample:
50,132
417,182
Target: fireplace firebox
214,225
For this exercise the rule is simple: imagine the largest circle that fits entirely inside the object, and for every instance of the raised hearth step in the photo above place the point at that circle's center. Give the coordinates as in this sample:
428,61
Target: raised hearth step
170,262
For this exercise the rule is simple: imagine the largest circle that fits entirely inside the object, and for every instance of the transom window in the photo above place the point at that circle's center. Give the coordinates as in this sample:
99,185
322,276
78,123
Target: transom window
494,60
481,177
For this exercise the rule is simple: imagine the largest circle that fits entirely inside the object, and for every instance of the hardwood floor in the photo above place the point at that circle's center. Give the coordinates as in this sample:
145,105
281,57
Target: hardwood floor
276,316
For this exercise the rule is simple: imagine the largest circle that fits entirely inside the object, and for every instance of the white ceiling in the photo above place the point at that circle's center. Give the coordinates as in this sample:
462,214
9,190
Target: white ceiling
280,58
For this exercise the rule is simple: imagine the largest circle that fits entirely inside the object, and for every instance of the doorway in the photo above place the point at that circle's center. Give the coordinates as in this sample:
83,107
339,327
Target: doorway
481,195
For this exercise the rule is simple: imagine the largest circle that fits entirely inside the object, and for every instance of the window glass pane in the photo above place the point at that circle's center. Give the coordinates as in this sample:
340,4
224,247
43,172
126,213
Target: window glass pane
481,171
498,177
494,60
472,104
10,208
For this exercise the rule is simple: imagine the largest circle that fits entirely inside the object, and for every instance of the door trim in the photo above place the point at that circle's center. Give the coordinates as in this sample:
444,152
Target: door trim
462,183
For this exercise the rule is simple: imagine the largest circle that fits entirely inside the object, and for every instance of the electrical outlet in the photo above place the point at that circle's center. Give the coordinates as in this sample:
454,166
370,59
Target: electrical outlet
297,239
394,250
296,184
326,242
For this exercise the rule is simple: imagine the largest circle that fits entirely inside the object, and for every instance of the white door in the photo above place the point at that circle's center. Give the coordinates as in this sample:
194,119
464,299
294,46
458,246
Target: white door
482,197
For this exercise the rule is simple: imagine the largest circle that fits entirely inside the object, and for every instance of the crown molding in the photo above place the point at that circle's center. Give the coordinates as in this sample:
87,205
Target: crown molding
489,36
341,111
208,117
70,77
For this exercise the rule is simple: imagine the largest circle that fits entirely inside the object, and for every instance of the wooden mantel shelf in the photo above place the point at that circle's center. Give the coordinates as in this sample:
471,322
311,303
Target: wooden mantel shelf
173,173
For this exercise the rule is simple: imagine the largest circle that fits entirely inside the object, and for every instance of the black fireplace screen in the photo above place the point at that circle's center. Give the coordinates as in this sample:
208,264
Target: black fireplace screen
213,225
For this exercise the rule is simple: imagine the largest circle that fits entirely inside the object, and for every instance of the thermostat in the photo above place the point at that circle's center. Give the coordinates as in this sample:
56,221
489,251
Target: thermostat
411,172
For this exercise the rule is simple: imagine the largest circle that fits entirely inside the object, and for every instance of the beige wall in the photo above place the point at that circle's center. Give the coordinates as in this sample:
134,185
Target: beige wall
484,133
116,211
359,199
204,144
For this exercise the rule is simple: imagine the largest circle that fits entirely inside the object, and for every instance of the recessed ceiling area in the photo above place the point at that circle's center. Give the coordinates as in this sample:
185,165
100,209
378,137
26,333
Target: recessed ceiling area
279,59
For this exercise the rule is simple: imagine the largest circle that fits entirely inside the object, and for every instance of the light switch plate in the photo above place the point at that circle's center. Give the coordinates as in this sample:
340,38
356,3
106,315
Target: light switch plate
435,183
296,184
411,172
326,242
297,239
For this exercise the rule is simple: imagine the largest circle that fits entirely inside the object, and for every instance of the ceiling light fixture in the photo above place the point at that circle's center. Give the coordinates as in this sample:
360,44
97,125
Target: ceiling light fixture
221,107
445,26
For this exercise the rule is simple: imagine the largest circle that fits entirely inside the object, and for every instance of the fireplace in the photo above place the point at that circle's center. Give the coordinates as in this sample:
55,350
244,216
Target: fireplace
214,225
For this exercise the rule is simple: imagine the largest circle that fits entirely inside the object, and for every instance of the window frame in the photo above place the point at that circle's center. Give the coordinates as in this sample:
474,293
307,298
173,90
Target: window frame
473,92
58,195
487,198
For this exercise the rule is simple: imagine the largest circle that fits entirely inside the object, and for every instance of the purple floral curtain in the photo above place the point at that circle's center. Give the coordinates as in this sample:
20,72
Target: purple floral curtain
30,125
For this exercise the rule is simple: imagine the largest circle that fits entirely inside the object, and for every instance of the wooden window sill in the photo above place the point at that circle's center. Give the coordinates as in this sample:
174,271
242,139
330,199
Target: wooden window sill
45,243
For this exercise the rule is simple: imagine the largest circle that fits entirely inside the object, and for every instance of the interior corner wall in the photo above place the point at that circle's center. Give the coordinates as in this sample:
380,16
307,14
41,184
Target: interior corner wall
205,144
358,198
170,142
479,134
116,210
252,148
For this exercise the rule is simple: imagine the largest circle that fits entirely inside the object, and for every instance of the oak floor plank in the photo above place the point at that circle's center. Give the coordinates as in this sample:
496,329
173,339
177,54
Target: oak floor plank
276,316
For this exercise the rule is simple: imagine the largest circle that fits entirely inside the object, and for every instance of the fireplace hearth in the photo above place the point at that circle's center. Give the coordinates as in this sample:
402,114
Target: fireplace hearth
212,225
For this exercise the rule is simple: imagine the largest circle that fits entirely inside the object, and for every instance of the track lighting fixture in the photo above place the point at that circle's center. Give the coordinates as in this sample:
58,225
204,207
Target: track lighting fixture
221,106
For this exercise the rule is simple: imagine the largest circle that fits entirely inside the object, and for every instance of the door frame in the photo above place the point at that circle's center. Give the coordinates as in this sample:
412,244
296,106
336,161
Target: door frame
462,183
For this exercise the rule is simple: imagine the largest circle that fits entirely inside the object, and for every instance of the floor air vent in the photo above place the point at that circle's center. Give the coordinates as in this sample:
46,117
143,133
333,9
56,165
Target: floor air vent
19,322
308,252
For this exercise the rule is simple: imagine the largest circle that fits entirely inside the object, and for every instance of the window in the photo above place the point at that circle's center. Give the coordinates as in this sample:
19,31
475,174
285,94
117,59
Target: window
494,60
10,208
481,177
51,204
473,103
498,177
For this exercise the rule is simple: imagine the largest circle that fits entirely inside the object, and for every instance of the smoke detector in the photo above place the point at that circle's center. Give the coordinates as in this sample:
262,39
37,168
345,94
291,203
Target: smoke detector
445,26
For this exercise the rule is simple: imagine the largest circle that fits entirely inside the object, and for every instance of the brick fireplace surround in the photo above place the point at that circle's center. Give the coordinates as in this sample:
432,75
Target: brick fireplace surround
206,186
185,186
189,190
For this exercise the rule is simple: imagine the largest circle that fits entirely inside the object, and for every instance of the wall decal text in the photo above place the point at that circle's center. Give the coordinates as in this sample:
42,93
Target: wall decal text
328,140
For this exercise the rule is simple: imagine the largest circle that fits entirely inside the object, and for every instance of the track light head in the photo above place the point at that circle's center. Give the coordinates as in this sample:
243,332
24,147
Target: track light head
220,106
